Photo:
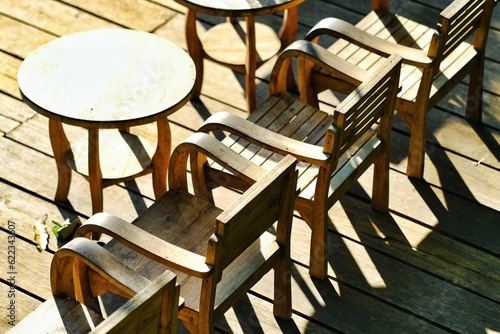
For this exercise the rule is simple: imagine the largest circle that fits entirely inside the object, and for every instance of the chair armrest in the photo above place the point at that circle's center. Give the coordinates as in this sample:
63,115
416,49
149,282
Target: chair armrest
212,148
146,244
320,56
99,260
341,29
265,138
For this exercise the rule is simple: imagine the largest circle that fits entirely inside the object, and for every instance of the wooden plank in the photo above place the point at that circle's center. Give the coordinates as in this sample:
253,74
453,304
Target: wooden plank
479,143
454,169
53,16
253,314
36,172
411,289
135,14
421,246
311,12
172,4
7,124
455,102
8,74
440,210
15,109
341,307
24,305
397,283
14,209
20,39
35,131
31,269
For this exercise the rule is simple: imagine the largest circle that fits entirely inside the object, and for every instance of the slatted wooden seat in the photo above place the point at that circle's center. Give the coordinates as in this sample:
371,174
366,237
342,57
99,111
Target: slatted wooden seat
435,60
76,269
218,254
334,150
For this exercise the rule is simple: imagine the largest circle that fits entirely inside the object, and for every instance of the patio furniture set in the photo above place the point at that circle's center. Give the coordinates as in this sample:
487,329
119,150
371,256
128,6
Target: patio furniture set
286,155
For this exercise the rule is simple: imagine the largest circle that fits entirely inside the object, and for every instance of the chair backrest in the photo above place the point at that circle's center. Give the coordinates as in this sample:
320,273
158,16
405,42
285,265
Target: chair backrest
458,22
150,311
361,109
268,201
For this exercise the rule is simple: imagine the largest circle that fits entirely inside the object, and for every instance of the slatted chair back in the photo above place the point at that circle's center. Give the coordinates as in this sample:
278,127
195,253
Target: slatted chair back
456,23
241,225
363,108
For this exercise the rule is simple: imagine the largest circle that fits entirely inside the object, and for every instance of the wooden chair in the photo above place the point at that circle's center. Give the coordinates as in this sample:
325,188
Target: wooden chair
80,265
218,254
435,60
334,150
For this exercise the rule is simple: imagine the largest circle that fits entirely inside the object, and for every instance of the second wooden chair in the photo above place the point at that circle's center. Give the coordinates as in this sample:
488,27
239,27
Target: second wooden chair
334,150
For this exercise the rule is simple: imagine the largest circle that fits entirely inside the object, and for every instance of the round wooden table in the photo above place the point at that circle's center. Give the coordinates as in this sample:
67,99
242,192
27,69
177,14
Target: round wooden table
234,43
108,79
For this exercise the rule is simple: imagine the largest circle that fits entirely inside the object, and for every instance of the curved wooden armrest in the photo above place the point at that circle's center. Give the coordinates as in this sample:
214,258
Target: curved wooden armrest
318,55
99,260
212,148
146,244
341,29
265,138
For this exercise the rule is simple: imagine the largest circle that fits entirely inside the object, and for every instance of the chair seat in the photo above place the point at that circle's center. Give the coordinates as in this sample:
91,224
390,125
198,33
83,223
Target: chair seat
294,119
183,220
178,218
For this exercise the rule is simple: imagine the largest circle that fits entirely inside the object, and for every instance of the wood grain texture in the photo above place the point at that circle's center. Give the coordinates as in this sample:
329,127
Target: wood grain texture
450,216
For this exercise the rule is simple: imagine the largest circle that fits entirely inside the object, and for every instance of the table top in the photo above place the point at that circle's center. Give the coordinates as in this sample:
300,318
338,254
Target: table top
107,78
239,8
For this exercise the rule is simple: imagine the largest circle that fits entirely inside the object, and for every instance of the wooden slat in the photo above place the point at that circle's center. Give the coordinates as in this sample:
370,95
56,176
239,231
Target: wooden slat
135,14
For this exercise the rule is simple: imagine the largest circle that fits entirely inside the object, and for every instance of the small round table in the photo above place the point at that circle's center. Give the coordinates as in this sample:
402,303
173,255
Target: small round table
234,44
102,80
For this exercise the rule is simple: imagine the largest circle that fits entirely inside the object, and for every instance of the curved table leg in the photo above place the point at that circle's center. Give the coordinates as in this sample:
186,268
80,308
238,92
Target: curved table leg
250,64
60,147
161,158
95,173
287,35
195,51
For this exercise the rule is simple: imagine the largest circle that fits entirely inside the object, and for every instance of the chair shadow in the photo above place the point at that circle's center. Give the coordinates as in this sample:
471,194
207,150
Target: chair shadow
387,275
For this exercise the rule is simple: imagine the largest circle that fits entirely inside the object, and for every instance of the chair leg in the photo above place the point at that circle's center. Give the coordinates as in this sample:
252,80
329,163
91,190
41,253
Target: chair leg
319,238
306,84
416,150
195,50
282,307
475,95
380,192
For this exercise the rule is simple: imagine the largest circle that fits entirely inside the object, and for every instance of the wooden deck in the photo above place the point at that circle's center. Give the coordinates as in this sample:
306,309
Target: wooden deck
431,265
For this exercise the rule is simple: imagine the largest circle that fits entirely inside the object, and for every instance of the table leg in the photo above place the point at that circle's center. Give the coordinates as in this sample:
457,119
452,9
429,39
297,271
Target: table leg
161,158
287,35
95,173
250,64
288,30
60,147
195,50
